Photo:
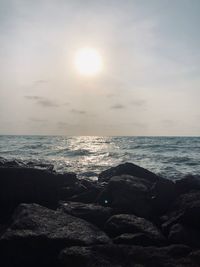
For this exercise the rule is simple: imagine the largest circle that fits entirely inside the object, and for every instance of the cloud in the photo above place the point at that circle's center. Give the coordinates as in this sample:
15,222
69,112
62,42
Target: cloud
37,120
138,102
76,111
66,104
118,106
33,97
37,82
42,101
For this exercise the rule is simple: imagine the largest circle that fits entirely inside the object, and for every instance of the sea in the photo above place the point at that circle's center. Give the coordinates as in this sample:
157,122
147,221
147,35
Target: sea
169,157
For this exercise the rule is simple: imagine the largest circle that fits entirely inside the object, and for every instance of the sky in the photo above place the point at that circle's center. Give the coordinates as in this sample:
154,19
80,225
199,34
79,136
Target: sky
149,83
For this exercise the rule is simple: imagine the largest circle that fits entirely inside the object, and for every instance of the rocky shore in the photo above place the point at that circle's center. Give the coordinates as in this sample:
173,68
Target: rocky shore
129,217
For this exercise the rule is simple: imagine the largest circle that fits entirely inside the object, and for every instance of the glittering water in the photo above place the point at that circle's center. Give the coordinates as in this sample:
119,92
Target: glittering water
170,157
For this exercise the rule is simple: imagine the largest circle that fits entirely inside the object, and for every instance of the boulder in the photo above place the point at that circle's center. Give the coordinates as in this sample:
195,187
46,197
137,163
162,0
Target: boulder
163,194
123,255
187,184
180,234
185,210
30,185
37,234
139,239
93,213
130,169
127,194
129,223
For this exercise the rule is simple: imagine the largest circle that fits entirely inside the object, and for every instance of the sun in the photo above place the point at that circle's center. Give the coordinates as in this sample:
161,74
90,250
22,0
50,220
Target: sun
88,61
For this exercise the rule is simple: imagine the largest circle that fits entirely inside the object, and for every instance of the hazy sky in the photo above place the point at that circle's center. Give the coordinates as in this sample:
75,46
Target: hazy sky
149,84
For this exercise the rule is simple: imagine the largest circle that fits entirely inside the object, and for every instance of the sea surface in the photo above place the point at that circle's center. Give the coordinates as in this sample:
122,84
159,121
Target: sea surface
171,157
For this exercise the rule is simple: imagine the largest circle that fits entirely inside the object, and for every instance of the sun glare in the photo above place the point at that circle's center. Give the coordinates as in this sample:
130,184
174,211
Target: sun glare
88,61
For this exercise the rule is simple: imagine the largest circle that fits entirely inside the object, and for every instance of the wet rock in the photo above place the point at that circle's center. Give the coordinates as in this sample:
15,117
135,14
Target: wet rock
30,185
37,234
128,223
180,234
125,255
93,213
130,169
127,194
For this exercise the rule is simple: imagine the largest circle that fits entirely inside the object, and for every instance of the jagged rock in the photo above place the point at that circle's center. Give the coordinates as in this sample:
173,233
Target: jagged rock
30,185
180,234
128,194
130,169
124,255
93,213
128,223
37,234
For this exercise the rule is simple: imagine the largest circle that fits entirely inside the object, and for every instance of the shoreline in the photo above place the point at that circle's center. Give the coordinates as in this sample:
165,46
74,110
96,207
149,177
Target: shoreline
56,219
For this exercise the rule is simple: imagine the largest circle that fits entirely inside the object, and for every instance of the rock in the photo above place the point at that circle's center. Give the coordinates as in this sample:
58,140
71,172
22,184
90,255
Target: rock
187,184
185,210
30,185
93,213
124,255
163,194
129,223
195,256
37,234
130,169
88,196
127,194
139,239
180,234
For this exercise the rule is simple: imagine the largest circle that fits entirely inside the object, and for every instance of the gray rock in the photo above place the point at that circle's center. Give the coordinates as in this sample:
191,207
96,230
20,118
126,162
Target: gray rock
130,169
128,194
124,255
37,234
180,234
93,213
129,223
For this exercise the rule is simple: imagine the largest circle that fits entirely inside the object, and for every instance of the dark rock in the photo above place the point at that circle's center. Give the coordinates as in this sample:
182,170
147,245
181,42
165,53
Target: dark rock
88,196
30,185
37,234
163,194
187,184
185,210
128,223
124,255
195,256
139,239
180,234
128,194
130,169
93,213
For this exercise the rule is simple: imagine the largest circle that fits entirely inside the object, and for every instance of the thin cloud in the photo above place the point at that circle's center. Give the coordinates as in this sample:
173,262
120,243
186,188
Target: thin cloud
42,101
76,111
118,106
138,102
37,82
33,97
37,120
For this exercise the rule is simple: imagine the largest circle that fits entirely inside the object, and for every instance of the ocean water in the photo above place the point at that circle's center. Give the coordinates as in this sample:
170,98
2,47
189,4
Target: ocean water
170,157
